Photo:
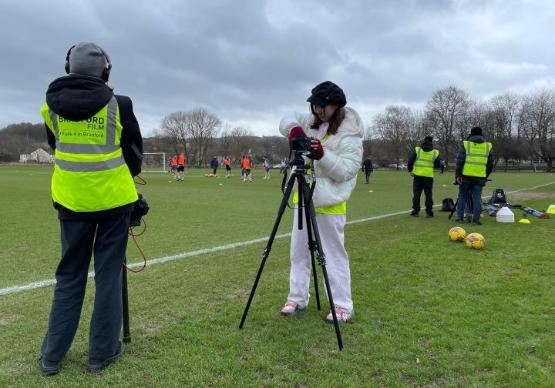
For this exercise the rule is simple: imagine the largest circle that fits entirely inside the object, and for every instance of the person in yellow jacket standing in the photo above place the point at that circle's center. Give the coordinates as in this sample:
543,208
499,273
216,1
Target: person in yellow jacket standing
421,165
98,149
474,165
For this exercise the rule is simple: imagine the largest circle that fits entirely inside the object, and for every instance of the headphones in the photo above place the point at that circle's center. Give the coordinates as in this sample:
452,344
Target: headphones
105,72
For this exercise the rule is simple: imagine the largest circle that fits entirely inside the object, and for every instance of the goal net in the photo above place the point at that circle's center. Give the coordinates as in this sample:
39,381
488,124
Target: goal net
155,162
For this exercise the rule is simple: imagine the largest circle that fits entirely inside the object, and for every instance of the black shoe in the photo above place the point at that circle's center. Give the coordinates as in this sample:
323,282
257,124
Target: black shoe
429,215
49,368
476,223
98,366
459,220
414,214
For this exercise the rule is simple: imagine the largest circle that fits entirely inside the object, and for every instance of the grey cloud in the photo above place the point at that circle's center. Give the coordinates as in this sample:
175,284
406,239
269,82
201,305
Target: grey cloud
251,61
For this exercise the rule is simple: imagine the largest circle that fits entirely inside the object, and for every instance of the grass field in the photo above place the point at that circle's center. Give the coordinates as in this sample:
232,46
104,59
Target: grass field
429,312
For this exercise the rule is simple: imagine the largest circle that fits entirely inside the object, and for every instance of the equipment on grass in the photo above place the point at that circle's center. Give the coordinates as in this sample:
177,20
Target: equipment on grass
498,198
536,213
456,233
505,215
551,209
447,205
524,221
305,204
475,241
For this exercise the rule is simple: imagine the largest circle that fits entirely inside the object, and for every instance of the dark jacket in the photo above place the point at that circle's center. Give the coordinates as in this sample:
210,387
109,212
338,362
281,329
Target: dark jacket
426,146
78,97
214,163
367,165
461,158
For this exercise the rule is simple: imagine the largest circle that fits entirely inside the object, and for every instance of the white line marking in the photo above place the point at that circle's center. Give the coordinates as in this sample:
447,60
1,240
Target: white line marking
165,259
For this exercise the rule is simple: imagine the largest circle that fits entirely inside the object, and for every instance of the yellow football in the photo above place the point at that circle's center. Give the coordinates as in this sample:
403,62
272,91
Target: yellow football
475,241
456,233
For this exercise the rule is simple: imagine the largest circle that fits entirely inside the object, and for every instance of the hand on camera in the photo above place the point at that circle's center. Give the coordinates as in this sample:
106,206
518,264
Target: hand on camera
317,149
295,132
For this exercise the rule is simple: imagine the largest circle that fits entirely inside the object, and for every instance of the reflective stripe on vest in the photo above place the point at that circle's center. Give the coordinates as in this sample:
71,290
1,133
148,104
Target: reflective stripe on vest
476,158
90,173
72,144
424,163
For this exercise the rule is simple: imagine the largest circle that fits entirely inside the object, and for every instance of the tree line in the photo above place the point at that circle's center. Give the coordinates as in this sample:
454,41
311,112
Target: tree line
521,127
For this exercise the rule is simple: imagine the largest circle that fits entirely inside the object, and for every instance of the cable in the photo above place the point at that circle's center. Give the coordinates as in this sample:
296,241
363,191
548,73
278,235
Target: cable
133,236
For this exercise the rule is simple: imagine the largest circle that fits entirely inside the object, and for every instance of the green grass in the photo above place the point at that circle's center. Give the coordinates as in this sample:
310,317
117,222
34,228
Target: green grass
429,312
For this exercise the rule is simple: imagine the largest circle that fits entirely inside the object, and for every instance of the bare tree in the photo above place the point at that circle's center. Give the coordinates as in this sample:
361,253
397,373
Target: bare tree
445,113
537,123
193,130
501,117
202,127
394,126
241,142
174,126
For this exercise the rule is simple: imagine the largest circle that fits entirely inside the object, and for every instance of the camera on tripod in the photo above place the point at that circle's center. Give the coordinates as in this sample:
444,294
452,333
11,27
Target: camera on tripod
140,209
301,144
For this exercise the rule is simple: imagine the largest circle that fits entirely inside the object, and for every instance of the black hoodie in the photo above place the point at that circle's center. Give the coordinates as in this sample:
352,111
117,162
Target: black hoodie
426,146
78,97
461,158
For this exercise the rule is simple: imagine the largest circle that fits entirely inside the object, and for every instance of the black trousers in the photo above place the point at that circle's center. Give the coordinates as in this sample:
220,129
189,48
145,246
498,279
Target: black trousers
420,184
107,239
367,174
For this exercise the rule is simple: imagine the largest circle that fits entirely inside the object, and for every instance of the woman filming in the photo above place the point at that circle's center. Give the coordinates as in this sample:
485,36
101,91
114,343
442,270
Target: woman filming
336,134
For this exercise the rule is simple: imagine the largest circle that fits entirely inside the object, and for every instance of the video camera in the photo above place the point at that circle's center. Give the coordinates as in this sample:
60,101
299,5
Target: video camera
301,144
140,209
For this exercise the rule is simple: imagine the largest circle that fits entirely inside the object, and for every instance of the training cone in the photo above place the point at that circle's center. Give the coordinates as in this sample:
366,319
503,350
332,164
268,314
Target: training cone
524,221
551,209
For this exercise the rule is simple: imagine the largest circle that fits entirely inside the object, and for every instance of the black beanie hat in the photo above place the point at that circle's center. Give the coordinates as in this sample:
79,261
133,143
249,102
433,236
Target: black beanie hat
327,93
476,131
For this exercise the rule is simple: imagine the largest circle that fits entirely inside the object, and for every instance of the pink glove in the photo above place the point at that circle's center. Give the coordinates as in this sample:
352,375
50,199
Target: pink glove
295,132
317,149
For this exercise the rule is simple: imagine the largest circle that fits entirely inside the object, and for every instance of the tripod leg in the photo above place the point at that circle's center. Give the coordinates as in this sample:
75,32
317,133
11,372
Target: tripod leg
125,304
454,209
321,259
312,248
268,248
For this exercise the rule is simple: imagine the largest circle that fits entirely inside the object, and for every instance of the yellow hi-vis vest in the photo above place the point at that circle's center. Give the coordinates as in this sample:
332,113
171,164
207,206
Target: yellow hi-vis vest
424,163
90,173
476,158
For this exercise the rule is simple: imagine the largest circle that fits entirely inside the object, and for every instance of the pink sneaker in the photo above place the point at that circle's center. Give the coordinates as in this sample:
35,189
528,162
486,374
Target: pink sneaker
292,308
343,316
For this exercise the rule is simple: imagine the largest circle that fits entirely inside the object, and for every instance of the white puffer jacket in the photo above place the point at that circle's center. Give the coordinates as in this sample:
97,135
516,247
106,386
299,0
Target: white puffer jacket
336,172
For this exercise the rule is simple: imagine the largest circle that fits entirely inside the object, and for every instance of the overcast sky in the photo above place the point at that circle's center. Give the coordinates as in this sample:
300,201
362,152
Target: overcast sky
249,62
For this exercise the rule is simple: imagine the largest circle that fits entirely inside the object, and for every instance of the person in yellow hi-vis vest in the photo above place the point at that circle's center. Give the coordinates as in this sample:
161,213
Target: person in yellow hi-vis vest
98,149
421,166
336,133
474,165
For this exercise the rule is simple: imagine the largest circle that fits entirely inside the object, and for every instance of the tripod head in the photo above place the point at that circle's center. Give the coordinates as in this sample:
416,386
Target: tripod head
298,161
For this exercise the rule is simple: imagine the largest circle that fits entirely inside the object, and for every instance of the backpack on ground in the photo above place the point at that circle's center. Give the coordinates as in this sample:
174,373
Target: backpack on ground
498,198
447,205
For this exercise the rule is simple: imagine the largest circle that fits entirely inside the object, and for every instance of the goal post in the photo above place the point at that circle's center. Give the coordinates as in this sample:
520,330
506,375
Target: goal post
155,162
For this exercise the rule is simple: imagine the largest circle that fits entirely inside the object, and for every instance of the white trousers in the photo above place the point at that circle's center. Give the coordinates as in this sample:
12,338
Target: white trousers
331,228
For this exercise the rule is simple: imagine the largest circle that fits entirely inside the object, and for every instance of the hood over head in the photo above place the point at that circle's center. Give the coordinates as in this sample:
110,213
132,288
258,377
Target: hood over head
77,97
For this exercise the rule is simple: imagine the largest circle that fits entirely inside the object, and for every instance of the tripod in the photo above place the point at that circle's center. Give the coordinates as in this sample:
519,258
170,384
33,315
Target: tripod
314,242
125,304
